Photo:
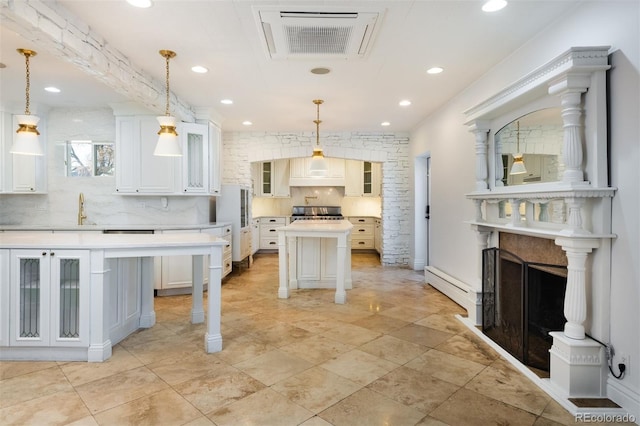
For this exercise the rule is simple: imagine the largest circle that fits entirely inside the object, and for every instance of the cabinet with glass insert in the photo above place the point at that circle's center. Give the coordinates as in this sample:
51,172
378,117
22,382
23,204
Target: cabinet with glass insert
49,293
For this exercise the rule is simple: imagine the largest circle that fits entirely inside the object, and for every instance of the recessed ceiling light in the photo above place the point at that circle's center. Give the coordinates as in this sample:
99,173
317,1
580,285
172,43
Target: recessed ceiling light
226,101
494,5
140,3
405,103
52,89
247,123
320,70
385,123
435,70
199,69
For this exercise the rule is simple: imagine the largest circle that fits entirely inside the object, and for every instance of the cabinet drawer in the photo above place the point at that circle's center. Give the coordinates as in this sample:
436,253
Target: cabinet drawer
268,243
361,220
272,221
360,230
269,231
362,243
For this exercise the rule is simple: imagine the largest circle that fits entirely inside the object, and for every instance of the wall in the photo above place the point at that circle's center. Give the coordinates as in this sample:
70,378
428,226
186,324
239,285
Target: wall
451,146
242,148
102,206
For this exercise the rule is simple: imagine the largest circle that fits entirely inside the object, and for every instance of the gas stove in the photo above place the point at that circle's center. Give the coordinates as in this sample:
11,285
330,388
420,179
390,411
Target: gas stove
316,213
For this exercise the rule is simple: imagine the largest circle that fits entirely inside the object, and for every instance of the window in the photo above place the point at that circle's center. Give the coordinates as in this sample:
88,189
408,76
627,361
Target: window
85,158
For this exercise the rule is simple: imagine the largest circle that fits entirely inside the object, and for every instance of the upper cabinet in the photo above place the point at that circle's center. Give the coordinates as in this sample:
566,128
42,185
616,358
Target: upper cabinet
363,178
20,174
300,167
271,178
140,172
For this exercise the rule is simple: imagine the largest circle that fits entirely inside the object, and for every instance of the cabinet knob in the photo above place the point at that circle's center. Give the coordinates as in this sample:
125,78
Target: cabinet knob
44,253
52,253
361,242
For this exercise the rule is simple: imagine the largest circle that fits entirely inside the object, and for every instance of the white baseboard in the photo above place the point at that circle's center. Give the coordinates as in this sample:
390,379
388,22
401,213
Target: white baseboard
417,264
624,396
461,293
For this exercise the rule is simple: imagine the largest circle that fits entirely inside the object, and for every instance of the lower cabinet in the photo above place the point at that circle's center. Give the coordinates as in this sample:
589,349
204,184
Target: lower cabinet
316,259
269,233
377,238
255,236
49,298
362,234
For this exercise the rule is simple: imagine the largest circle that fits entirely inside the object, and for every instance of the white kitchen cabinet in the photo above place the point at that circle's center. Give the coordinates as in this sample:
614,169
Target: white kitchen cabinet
125,294
299,173
234,205
138,171
269,233
20,174
195,157
362,234
377,238
363,178
255,236
49,298
5,315
215,159
317,261
272,178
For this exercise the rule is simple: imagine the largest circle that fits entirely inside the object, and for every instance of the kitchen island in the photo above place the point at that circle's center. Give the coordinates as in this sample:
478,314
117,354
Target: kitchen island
72,296
315,254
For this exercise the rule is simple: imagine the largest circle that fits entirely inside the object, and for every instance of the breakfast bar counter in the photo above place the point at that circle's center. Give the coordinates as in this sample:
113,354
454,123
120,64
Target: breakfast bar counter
72,296
315,254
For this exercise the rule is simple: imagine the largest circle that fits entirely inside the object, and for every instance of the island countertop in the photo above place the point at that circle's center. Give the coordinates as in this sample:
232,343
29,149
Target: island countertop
318,226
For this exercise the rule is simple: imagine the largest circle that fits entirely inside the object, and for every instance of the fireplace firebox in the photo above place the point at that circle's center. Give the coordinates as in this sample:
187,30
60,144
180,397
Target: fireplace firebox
521,303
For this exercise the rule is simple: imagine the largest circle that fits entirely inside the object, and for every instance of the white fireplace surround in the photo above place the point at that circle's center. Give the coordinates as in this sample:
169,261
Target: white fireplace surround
576,82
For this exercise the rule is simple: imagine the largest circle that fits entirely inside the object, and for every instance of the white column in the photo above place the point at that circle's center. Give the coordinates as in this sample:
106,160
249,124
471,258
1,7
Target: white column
341,252
480,131
197,309
99,342
516,218
283,266
575,299
147,314
213,337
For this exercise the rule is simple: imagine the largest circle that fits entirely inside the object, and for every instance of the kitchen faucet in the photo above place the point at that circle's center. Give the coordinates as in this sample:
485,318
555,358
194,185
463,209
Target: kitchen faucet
81,214
307,198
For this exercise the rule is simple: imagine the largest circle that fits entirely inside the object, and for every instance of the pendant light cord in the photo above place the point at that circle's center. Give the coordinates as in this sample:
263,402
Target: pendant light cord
26,109
317,120
167,79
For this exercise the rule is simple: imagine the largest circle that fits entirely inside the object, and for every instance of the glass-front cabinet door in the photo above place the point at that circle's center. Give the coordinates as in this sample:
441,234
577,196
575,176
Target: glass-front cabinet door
195,157
50,298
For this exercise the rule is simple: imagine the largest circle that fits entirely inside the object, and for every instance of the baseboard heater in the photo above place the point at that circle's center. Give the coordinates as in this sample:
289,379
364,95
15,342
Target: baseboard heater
451,287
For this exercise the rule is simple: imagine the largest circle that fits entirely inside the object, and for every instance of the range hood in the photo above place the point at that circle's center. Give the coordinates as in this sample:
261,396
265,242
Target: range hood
317,32
316,181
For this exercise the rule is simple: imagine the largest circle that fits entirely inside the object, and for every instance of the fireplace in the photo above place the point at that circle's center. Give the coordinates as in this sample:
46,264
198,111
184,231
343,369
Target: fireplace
522,301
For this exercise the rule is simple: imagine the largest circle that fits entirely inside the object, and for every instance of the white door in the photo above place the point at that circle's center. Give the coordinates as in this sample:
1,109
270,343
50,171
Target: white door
422,213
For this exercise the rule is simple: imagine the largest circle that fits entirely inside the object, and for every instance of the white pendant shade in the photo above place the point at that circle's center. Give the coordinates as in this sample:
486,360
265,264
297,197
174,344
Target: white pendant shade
517,168
318,166
26,140
168,141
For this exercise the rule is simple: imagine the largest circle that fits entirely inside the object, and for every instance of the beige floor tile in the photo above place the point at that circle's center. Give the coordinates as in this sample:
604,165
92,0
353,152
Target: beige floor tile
273,366
446,367
162,408
265,408
281,334
242,348
414,389
359,367
120,388
380,323
511,387
430,421
316,349
352,334
468,408
183,368
9,369
469,346
32,385
366,407
443,322
217,389
79,373
59,408
393,349
315,421
421,335
406,313
316,389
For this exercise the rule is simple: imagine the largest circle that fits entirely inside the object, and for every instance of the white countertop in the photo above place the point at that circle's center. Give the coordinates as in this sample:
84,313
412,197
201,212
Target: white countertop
318,226
102,228
80,240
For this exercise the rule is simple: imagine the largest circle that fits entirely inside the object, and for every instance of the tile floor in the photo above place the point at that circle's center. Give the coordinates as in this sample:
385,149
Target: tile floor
393,355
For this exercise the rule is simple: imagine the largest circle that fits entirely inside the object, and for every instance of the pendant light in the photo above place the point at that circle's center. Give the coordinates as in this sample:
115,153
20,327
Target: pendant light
26,140
318,165
168,143
518,168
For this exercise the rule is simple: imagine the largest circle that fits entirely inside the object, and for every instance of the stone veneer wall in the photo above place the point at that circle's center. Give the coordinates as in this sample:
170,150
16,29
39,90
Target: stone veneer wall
391,149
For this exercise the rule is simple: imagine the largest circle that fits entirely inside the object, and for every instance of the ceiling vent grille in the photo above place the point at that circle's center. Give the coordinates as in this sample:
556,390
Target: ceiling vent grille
317,34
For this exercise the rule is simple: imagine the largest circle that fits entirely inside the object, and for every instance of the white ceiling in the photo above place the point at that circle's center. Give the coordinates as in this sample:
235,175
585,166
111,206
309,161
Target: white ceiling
276,95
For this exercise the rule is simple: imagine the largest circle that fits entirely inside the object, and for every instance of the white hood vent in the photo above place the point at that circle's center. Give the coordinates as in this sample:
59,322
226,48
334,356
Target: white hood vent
317,33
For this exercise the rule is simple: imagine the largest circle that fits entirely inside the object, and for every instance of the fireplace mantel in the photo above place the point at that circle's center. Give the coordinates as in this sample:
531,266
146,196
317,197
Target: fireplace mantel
572,204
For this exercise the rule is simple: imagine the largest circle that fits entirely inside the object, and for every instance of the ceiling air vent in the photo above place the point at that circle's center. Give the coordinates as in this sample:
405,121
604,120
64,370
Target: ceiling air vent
317,34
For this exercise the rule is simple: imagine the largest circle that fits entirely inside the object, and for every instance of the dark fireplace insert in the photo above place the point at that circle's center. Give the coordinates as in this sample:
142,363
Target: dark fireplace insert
521,303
